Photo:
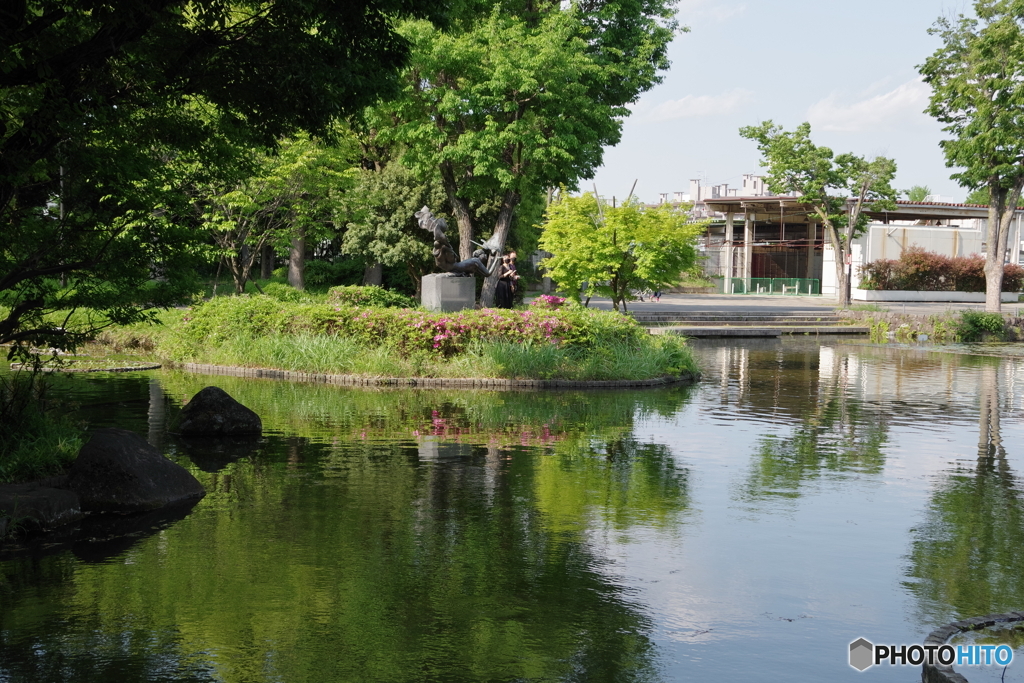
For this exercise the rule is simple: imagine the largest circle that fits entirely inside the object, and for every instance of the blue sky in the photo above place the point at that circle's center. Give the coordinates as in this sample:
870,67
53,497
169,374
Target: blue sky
849,68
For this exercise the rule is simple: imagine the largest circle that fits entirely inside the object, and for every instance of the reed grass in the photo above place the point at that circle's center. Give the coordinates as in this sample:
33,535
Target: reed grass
653,357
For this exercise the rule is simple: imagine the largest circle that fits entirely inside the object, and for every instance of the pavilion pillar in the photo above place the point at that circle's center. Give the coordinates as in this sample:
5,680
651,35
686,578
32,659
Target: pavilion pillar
748,248
728,270
812,235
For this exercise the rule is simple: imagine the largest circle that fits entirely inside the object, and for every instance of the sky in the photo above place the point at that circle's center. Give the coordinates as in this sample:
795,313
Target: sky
848,68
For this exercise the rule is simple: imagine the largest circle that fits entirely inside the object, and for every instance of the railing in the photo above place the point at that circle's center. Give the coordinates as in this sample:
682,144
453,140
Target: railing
785,286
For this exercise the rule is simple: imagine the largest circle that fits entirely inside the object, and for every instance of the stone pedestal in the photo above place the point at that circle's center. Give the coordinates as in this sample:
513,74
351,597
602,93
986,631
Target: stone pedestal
448,292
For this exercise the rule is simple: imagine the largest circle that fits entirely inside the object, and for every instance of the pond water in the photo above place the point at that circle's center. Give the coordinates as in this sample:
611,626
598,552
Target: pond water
803,495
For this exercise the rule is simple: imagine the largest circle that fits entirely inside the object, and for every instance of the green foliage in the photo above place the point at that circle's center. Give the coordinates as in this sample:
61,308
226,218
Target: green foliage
38,437
519,98
980,326
370,296
982,196
381,227
836,189
918,193
111,114
977,81
286,293
616,250
324,274
294,191
572,342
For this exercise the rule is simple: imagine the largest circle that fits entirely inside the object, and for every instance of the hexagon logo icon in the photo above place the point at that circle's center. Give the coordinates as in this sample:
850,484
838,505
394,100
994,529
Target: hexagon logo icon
861,654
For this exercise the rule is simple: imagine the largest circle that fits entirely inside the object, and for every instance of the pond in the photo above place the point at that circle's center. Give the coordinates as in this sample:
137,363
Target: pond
803,495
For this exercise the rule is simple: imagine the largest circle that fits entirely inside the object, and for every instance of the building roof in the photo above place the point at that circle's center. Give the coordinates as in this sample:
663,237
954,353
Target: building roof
793,210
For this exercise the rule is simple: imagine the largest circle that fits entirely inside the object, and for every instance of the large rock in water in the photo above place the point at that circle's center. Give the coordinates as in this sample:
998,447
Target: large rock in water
118,470
212,412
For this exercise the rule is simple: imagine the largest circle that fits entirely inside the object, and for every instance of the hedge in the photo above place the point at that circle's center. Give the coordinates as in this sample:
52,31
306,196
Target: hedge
925,271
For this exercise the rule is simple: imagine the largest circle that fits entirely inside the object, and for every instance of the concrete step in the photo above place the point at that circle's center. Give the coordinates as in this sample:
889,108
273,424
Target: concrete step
712,317
733,322
765,331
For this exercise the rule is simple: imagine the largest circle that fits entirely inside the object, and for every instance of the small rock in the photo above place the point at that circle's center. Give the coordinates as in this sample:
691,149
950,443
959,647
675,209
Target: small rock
117,470
212,412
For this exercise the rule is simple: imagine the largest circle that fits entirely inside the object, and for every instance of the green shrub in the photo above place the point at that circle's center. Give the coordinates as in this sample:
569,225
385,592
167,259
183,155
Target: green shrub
38,437
286,293
979,326
222,319
369,296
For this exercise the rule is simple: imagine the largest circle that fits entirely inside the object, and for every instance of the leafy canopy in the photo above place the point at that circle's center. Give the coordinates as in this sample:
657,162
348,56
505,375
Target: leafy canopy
97,98
616,250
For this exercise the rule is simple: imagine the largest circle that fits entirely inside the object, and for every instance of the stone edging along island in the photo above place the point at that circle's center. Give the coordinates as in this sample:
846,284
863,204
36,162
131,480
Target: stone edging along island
431,382
943,673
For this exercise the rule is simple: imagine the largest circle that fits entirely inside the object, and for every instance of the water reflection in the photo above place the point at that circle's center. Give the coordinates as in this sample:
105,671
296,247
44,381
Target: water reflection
966,558
401,536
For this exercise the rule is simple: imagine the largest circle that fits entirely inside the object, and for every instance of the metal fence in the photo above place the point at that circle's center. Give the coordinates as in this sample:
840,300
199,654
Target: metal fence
785,286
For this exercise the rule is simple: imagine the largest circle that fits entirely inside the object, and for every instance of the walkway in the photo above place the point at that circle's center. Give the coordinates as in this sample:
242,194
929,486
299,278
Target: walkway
753,304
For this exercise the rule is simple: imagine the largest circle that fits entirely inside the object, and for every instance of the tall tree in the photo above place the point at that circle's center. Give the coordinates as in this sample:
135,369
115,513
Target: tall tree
97,97
294,193
522,96
977,80
836,188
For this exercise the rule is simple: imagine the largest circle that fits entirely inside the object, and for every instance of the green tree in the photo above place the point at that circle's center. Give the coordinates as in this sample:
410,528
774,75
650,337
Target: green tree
918,193
381,227
977,80
616,250
524,96
295,192
837,189
98,98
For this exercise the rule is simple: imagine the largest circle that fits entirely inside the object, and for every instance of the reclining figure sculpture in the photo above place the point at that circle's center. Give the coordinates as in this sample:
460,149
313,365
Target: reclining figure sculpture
482,263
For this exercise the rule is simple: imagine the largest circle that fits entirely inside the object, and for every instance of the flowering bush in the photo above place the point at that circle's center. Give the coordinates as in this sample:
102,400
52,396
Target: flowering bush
925,271
405,329
548,301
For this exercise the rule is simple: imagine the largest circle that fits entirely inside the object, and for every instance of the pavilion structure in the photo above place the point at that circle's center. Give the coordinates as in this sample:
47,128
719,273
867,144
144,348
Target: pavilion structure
778,237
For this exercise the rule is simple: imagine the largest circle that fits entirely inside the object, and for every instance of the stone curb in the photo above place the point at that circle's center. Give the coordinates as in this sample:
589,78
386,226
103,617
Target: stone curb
126,368
429,382
943,673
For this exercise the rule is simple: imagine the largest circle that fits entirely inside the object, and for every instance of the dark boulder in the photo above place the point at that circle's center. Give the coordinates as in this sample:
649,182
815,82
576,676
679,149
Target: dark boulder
212,412
34,507
118,470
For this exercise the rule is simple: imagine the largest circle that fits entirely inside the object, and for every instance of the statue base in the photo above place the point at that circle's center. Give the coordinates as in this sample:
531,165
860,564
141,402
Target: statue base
447,292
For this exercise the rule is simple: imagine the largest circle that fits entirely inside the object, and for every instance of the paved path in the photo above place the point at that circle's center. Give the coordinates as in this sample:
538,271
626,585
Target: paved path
778,305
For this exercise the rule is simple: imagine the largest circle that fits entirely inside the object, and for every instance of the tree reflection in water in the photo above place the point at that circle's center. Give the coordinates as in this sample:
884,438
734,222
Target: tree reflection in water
966,558
328,557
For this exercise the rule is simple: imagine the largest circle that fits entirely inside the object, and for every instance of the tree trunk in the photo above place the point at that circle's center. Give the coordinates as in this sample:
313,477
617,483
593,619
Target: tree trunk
460,209
840,250
266,262
1001,209
373,275
501,227
297,262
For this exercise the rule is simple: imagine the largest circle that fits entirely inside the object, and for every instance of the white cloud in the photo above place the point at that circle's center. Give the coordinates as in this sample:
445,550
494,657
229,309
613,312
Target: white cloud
872,113
694,106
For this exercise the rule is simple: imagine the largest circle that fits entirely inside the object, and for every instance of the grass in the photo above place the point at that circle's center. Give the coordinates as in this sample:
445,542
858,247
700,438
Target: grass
656,357
871,308
38,438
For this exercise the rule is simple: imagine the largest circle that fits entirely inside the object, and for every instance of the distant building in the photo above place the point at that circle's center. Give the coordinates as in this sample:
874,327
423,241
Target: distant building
777,237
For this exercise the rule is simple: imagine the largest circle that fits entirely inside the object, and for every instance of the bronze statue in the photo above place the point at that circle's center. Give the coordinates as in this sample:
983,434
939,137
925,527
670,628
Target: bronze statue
482,263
